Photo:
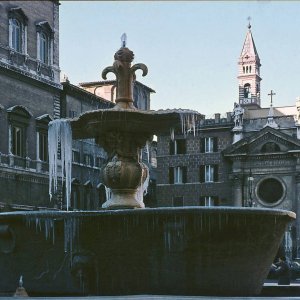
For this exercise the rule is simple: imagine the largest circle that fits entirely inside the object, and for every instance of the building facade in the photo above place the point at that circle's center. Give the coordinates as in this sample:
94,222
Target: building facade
248,157
31,96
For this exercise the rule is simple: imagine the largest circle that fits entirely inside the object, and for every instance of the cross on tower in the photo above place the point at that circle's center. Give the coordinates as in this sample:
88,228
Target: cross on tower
249,19
272,94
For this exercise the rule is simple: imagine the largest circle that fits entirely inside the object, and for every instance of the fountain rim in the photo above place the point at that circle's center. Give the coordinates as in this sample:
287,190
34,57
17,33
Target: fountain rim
190,210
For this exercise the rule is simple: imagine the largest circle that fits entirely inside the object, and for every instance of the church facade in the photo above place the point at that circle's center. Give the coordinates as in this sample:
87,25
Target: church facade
247,157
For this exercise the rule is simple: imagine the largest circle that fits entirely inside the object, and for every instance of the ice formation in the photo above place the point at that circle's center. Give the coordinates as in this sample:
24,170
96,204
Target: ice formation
60,141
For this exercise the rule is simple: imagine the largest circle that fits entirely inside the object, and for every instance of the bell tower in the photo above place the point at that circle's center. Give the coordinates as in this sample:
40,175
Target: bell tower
249,73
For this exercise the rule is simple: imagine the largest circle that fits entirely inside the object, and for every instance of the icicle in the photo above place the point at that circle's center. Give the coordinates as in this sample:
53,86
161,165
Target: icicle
172,134
107,192
148,153
60,131
142,189
188,122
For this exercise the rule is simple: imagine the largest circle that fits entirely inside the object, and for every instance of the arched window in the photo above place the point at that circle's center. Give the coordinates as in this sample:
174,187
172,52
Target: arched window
102,194
270,147
45,36
250,69
247,69
16,39
88,201
19,118
243,69
247,90
17,30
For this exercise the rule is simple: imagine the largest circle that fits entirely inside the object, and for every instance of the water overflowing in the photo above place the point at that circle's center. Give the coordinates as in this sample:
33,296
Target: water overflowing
60,141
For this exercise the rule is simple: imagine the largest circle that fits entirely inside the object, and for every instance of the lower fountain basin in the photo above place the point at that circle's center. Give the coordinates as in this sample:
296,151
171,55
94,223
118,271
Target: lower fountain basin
174,251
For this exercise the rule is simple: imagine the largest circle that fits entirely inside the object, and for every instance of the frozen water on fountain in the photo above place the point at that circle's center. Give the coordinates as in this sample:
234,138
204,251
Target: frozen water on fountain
60,138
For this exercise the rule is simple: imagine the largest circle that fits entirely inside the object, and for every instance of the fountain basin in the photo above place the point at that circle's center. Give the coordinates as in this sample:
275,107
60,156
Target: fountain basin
171,251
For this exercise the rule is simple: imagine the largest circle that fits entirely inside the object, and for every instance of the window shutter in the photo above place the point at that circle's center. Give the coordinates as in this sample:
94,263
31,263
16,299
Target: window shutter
202,145
184,174
172,147
183,150
216,177
202,173
202,201
216,201
215,144
171,175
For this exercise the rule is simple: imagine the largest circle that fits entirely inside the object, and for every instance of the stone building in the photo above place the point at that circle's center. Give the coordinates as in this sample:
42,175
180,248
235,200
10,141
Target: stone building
31,95
107,90
248,157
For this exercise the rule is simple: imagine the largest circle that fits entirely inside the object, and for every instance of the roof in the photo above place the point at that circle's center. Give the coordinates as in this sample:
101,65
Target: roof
76,89
249,47
263,112
110,82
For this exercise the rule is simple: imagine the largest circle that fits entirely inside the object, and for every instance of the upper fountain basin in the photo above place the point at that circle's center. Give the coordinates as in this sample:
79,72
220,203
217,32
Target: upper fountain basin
93,123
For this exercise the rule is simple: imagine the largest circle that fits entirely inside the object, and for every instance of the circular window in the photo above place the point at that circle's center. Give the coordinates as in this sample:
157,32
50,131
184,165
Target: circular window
270,191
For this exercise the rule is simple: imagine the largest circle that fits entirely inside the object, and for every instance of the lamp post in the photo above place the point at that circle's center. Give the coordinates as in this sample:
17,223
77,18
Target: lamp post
250,186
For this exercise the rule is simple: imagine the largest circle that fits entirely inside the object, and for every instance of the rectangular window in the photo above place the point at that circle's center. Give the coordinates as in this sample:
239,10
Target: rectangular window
18,141
209,144
207,201
178,147
178,201
88,159
209,173
73,114
177,175
43,146
16,35
100,161
44,48
75,156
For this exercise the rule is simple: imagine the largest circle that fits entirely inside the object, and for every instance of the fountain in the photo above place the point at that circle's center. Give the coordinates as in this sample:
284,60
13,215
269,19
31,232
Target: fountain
121,250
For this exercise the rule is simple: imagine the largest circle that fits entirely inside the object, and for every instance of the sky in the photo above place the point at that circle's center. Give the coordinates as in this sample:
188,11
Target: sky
191,48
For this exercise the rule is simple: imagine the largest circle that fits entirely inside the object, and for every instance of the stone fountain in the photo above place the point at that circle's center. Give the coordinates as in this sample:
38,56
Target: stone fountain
122,251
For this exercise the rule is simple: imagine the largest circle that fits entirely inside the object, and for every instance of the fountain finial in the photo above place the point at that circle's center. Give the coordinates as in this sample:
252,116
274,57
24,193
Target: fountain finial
125,74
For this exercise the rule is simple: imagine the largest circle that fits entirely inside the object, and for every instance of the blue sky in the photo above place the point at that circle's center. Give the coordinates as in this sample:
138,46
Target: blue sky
191,48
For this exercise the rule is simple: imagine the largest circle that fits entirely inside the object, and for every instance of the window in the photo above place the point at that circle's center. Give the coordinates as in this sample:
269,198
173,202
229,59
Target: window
88,203
209,173
178,147
16,41
42,146
178,201
75,156
45,36
247,90
19,118
100,161
17,141
177,175
75,194
44,48
73,114
208,201
17,30
42,136
270,191
102,194
209,144
88,159
270,147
